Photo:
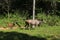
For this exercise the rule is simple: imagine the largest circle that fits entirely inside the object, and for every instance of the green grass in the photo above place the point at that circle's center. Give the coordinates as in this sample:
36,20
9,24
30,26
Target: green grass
47,32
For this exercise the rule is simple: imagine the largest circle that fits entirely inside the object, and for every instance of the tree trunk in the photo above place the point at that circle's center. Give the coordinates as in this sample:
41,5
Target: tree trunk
33,12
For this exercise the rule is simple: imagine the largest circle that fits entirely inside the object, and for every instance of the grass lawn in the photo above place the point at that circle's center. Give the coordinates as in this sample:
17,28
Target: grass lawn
50,33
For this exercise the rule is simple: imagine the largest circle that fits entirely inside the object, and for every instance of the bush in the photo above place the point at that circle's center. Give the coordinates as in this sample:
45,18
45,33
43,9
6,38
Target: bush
53,20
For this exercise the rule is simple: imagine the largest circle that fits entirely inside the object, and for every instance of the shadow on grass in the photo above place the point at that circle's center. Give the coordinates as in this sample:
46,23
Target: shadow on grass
54,37
18,36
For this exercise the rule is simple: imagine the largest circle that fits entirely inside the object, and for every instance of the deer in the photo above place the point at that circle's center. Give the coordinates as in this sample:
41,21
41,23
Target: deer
31,22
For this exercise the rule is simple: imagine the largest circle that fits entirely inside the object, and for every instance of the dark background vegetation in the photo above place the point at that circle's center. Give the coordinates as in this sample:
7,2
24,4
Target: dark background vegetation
26,6
20,10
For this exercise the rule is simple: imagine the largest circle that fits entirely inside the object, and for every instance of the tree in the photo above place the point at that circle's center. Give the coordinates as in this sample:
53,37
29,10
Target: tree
33,11
7,4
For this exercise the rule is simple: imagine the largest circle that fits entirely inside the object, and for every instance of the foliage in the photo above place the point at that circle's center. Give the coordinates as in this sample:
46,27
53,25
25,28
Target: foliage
49,19
19,11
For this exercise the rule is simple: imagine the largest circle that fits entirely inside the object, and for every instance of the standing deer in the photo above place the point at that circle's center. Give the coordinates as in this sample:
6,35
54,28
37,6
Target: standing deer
33,22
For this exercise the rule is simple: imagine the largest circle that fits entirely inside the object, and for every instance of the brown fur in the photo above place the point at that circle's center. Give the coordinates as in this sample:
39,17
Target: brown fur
32,22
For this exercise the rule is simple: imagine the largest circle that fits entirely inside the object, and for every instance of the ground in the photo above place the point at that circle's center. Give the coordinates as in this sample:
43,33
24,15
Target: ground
50,33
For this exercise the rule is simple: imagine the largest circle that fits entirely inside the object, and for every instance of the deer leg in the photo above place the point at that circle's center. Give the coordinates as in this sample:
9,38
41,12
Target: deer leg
39,25
26,25
36,25
29,25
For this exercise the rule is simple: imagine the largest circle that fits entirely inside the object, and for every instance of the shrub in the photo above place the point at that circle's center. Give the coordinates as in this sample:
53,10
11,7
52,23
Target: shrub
50,20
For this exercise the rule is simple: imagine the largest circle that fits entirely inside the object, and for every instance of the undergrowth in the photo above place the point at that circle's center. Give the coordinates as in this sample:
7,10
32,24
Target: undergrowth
49,20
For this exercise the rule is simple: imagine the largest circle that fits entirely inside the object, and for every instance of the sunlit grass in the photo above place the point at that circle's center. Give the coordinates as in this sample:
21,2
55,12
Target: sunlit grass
48,32
55,30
